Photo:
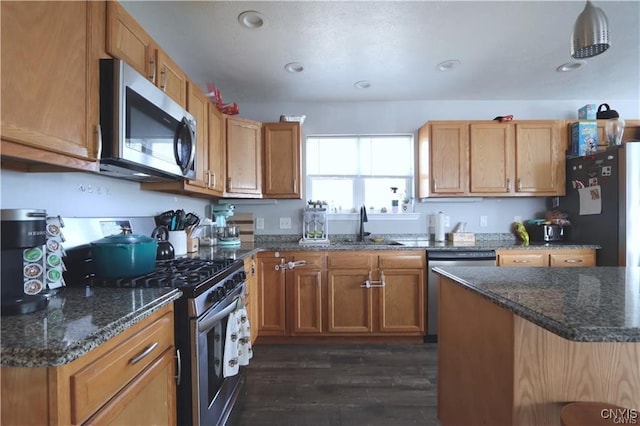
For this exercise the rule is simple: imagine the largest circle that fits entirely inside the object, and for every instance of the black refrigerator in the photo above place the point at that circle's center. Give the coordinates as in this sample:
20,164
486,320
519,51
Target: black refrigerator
603,203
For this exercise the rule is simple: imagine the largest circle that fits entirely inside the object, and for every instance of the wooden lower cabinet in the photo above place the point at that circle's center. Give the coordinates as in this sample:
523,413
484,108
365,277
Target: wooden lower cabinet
251,295
115,383
271,295
327,296
550,257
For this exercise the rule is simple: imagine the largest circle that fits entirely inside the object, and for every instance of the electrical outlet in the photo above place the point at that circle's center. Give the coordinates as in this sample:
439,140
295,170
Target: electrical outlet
484,221
285,223
260,223
517,218
447,221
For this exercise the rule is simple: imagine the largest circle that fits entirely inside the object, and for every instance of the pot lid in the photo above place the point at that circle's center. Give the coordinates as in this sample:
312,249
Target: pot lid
124,239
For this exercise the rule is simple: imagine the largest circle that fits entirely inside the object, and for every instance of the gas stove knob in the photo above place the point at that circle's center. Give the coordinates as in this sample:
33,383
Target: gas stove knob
229,285
213,297
242,275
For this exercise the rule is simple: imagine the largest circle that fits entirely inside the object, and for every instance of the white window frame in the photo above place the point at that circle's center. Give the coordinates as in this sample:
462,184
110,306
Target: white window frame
359,179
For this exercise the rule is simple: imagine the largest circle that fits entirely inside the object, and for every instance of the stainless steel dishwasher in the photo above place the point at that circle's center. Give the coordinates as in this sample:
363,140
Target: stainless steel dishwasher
448,258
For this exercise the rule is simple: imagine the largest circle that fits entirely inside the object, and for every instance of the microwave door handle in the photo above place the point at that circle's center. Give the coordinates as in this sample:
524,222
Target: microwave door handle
185,126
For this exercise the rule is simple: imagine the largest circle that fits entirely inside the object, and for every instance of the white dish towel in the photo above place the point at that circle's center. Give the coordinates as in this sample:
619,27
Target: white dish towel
237,348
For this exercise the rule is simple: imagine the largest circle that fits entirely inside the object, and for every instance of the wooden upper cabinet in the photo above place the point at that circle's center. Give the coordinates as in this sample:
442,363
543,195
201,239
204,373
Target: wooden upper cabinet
127,40
476,158
540,158
448,152
171,79
492,147
282,175
50,82
197,105
216,151
244,158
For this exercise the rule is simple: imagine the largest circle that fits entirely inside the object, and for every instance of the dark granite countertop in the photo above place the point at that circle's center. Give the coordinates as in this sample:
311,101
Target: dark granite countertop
596,304
75,321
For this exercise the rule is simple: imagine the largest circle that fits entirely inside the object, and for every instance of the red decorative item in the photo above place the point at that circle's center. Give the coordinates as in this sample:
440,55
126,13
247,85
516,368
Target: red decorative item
215,96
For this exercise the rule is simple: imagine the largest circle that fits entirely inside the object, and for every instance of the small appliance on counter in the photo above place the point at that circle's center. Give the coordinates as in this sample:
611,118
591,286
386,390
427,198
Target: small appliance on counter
227,234
24,258
543,231
315,225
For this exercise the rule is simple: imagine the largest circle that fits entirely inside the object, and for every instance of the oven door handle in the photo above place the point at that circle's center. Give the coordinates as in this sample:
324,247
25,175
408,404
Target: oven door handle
211,319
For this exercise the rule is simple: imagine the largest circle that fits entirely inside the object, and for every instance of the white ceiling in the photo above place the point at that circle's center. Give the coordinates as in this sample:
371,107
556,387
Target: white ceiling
509,50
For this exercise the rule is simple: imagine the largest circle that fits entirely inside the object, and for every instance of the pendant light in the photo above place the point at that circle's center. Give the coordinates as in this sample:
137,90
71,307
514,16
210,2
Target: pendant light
590,35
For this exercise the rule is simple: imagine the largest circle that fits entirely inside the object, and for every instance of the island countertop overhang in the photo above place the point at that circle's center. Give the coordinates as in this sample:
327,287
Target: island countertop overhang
595,304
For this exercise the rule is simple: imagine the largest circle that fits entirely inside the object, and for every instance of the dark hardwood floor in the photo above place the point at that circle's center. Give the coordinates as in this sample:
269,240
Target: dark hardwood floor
336,385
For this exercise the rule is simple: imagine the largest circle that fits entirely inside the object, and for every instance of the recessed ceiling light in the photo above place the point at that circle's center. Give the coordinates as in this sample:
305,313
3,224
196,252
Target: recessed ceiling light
448,65
294,67
252,19
362,84
570,66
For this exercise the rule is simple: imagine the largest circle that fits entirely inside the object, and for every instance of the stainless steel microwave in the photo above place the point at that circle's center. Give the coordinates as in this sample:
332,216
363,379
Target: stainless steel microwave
146,135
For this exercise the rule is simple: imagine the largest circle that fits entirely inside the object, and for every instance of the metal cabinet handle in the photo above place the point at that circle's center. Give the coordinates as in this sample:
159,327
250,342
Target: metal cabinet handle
163,76
179,372
519,185
215,181
508,184
521,261
136,359
152,63
435,185
290,265
573,261
295,185
371,283
99,141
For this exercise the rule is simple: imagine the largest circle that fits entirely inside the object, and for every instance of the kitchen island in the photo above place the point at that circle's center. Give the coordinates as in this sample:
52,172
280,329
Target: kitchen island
515,346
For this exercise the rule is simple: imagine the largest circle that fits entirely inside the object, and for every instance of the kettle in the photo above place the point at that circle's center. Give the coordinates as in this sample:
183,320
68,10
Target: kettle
605,114
165,250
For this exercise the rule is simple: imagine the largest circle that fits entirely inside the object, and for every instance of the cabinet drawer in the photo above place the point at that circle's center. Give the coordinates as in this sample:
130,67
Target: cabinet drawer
572,260
345,260
402,261
533,259
98,382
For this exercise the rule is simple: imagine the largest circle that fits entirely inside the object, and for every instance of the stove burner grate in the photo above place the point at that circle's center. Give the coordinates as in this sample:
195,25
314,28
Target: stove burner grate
177,273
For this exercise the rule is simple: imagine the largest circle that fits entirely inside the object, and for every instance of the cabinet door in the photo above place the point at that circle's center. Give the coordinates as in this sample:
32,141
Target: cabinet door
197,106
271,297
50,82
154,388
281,160
491,158
522,258
572,258
171,79
306,302
251,295
216,151
127,40
449,156
244,157
349,304
540,165
402,301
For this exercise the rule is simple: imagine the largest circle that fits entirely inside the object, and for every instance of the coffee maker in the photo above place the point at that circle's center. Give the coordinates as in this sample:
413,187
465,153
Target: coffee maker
226,233
24,237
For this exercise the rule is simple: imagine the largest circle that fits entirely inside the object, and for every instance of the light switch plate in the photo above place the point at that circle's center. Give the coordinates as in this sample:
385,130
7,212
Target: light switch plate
484,220
260,223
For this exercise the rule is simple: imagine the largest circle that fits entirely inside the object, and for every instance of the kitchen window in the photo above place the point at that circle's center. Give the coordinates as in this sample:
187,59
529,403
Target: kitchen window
350,171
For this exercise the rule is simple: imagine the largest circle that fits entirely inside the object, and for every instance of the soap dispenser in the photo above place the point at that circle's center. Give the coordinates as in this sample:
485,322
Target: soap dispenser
395,200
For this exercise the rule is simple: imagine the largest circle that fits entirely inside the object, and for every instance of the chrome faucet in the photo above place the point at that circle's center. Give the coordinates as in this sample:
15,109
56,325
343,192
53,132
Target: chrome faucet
363,219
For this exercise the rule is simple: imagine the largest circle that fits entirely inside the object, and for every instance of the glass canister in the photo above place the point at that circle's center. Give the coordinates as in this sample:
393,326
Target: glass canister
207,235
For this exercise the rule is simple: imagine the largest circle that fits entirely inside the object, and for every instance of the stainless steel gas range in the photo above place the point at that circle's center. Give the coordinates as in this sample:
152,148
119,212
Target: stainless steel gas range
211,287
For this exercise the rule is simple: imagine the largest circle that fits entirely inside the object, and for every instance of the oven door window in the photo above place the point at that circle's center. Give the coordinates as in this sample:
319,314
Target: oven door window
215,339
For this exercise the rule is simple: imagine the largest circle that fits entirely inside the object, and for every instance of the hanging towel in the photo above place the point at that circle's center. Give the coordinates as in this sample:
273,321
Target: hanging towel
237,348
231,345
244,348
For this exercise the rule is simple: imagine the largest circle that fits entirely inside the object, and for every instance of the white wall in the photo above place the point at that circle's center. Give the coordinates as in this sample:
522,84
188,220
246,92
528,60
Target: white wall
62,193
87,195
